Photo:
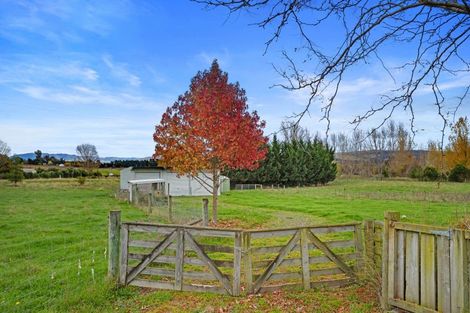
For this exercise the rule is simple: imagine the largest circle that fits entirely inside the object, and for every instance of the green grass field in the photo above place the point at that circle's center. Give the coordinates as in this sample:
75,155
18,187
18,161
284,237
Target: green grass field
53,239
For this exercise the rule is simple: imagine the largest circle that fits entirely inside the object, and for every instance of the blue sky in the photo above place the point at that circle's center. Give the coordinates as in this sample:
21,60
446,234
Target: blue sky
103,72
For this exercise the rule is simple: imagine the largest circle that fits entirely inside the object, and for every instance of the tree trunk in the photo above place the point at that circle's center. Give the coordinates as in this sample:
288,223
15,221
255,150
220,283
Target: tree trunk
215,190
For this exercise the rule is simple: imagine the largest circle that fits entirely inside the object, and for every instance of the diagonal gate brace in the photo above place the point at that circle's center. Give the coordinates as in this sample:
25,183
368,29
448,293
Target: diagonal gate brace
150,257
330,254
204,257
276,262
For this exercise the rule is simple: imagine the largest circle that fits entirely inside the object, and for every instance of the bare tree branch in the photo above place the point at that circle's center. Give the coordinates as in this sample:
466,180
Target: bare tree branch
435,30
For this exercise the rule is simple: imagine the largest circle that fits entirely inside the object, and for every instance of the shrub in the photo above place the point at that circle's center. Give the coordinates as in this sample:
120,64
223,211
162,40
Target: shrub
459,173
385,173
63,173
416,172
430,174
44,174
81,180
95,174
463,222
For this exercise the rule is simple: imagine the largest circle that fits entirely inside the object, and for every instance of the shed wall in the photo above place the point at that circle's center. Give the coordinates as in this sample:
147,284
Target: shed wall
184,185
179,186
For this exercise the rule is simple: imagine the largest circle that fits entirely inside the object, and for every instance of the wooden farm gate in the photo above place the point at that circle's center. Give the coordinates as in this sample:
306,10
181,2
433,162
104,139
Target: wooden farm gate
180,258
302,257
425,268
195,258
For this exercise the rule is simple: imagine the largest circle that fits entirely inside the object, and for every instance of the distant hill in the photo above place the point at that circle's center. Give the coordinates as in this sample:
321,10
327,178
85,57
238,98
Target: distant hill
374,155
73,157
111,159
32,156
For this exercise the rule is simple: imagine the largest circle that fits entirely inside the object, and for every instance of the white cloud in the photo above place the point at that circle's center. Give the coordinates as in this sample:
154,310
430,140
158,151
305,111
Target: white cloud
82,72
120,71
70,19
461,80
25,72
76,94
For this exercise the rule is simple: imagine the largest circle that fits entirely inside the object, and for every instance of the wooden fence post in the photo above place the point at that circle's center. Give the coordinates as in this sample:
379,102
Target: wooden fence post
305,258
123,254
134,196
369,244
359,245
237,263
205,212
388,256
459,272
179,259
247,261
114,224
170,208
150,202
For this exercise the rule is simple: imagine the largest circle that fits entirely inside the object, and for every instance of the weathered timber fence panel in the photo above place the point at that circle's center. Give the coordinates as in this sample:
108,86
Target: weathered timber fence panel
425,268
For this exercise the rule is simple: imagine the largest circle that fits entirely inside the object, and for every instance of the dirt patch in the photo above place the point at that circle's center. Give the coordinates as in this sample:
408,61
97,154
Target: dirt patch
227,224
343,300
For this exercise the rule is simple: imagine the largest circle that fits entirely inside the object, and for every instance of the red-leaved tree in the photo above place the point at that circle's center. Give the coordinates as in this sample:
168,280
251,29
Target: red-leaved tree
209,129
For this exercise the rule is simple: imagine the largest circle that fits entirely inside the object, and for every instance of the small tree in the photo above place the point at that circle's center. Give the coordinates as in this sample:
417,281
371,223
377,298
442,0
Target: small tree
459,173
88,155
210,129
458,151
402,159
430,174
38,159
4,148
16,174
5,165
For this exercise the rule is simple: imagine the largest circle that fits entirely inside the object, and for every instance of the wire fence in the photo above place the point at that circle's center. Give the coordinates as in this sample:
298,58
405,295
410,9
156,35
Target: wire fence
170,209
248,186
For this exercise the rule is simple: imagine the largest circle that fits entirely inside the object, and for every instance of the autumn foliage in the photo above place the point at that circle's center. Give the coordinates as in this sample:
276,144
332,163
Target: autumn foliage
458,151
210,129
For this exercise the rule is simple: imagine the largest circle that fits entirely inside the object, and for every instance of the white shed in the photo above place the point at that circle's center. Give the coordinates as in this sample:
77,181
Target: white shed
175,186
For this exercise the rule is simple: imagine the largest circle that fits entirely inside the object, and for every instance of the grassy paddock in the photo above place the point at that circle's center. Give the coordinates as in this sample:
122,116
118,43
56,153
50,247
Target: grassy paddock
53,239
347,200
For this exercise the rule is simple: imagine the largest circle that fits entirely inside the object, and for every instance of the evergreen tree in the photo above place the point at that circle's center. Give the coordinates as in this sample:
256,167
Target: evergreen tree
16,173
292,163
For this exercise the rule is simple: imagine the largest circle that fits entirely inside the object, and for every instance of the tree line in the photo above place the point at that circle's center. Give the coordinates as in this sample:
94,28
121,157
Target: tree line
390,151
12,168
129,163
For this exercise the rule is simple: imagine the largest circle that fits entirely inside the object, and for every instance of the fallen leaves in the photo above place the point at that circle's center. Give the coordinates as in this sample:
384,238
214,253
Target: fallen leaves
341,300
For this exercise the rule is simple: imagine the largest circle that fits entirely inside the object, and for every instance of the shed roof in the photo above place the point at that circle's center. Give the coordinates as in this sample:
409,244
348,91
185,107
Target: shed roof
146,181
156,168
